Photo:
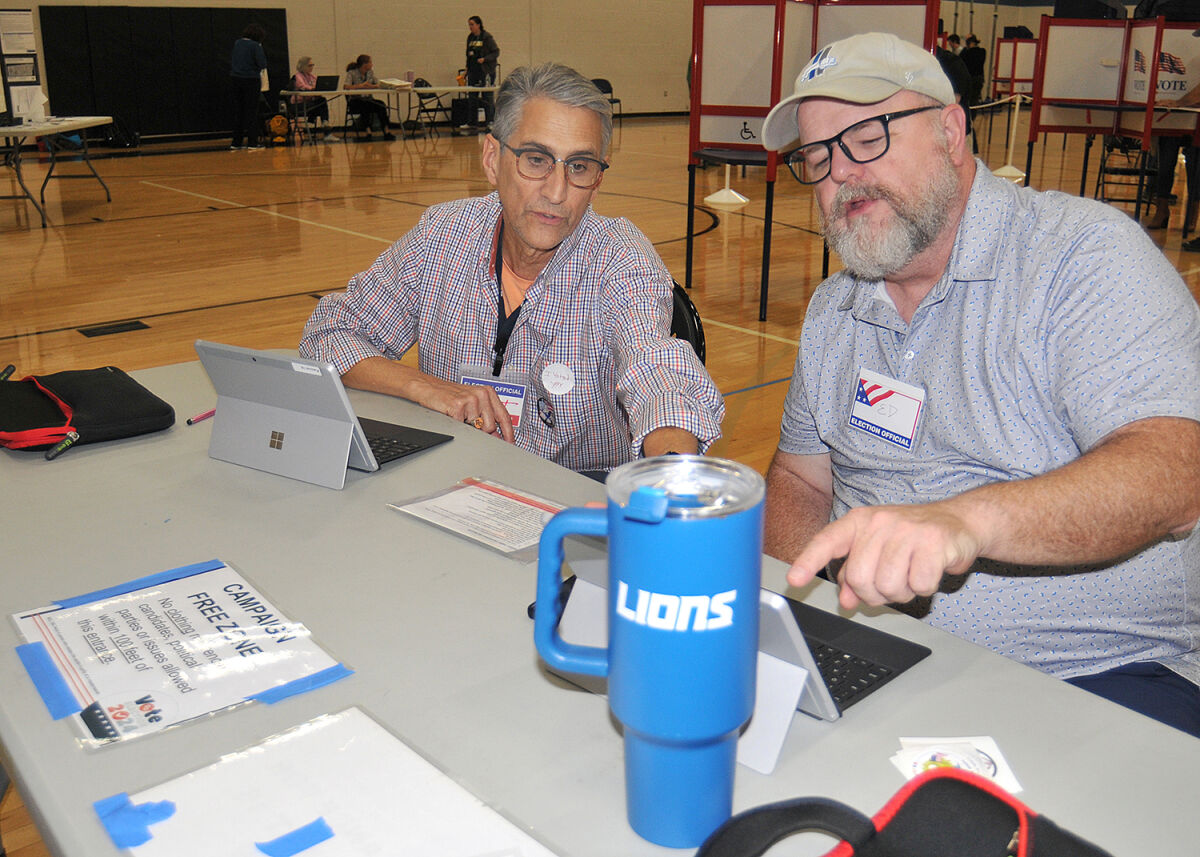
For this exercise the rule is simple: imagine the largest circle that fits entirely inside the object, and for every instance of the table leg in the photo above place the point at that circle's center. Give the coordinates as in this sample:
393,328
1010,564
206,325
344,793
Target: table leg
766,258
87,159
52,146
13,159
691,223
1087,150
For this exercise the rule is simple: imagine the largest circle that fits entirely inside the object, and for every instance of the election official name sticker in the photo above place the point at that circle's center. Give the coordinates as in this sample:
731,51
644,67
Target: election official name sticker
509,389
886,408
558,378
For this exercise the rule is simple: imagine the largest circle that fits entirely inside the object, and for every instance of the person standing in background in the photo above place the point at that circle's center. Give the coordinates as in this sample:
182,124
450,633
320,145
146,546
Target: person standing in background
245,68
975,59
482,54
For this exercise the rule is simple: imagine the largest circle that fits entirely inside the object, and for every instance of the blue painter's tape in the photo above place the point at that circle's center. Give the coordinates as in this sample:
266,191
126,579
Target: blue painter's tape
129,825
300,839
302,685
48,680
142,583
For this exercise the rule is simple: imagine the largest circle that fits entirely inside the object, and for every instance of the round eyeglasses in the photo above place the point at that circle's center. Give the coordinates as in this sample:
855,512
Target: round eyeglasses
862,143
537,164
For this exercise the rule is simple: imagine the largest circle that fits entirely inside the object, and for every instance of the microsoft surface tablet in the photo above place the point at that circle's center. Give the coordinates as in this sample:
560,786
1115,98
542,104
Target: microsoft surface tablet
291,416
846,660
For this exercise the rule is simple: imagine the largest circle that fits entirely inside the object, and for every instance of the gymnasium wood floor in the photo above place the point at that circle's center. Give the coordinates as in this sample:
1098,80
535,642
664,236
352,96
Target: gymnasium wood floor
238,246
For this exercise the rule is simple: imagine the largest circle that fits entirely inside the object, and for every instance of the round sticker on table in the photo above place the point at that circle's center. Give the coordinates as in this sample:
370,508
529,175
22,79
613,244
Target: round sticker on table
558,378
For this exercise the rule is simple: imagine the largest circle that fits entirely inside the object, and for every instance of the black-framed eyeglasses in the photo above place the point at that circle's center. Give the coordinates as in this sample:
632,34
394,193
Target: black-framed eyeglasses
862,143
537,164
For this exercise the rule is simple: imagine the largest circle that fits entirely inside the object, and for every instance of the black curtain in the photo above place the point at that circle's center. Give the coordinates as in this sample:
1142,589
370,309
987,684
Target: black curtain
160,69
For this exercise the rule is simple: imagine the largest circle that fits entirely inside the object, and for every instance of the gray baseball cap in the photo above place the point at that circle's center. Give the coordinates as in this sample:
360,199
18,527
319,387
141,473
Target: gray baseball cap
862,69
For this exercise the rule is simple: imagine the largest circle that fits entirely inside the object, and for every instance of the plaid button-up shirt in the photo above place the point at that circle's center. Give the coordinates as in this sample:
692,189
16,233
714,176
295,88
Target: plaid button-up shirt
601,307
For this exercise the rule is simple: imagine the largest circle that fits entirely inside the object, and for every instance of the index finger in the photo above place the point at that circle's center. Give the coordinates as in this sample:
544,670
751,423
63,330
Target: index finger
831,542
501,415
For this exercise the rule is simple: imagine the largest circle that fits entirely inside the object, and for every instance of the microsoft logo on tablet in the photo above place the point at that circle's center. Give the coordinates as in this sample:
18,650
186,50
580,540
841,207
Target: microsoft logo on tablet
276,440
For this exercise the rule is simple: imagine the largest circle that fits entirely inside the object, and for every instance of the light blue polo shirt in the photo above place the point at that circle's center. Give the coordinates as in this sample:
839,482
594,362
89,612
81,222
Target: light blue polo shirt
1057,321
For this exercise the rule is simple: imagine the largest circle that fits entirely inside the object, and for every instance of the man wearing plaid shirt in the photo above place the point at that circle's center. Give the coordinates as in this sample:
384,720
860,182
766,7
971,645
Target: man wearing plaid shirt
534,318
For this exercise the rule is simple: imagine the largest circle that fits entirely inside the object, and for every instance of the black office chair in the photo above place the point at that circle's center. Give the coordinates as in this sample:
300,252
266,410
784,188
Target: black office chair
430,104
606,88
685,321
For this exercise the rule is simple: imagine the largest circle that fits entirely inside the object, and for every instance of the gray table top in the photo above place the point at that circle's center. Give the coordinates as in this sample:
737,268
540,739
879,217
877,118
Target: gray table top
436,630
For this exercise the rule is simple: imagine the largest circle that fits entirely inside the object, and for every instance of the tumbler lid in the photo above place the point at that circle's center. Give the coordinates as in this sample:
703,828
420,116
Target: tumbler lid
695,486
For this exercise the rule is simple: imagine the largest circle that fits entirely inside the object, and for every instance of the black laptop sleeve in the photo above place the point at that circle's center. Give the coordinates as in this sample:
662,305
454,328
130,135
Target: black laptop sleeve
38,411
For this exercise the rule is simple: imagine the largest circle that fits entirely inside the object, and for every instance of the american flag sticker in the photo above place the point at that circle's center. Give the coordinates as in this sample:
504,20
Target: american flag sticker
886,408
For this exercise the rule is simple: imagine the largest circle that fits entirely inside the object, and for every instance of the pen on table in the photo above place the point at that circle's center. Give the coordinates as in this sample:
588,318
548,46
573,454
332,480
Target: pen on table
199,418
62,446
8,370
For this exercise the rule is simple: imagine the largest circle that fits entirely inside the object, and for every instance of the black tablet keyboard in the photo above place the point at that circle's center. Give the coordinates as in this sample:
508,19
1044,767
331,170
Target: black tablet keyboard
387,449
848,677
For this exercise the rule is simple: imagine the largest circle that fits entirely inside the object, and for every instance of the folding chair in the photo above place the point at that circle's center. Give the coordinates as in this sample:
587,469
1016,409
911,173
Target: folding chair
430,104
1124,171
606,89
357,122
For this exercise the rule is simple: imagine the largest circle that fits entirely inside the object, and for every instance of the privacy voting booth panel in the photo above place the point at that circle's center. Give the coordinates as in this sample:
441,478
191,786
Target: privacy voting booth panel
1140,79
909,19
746,55
740,49
1104,77
1078,82
1176,72
1014,66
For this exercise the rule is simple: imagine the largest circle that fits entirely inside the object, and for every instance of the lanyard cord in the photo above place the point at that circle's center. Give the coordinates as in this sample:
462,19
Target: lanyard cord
504,324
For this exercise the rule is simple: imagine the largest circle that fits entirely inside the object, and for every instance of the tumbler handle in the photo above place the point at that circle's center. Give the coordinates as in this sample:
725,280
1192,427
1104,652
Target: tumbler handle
587,660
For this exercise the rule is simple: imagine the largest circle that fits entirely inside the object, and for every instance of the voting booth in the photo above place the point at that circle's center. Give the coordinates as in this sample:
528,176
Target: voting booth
746,55
1105,77
1013,67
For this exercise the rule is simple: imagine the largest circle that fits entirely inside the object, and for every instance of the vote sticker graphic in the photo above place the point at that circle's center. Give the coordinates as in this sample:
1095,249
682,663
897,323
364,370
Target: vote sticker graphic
886,408
123,716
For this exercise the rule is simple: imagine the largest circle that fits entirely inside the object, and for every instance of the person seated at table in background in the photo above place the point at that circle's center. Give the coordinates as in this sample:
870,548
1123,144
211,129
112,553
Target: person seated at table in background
994,419
360,74
529,293
314,107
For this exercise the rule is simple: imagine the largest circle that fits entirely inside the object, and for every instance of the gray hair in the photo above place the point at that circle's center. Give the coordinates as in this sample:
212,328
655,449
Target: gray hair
553,81
302,63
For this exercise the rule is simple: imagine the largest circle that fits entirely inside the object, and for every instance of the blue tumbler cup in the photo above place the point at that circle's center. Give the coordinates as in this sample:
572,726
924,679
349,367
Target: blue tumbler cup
684,569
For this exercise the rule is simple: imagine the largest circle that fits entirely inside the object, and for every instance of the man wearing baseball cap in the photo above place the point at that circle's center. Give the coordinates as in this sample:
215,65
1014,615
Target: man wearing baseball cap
995,413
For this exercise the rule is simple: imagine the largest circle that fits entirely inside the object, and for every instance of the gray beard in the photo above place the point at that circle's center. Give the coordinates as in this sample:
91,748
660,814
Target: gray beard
875,253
